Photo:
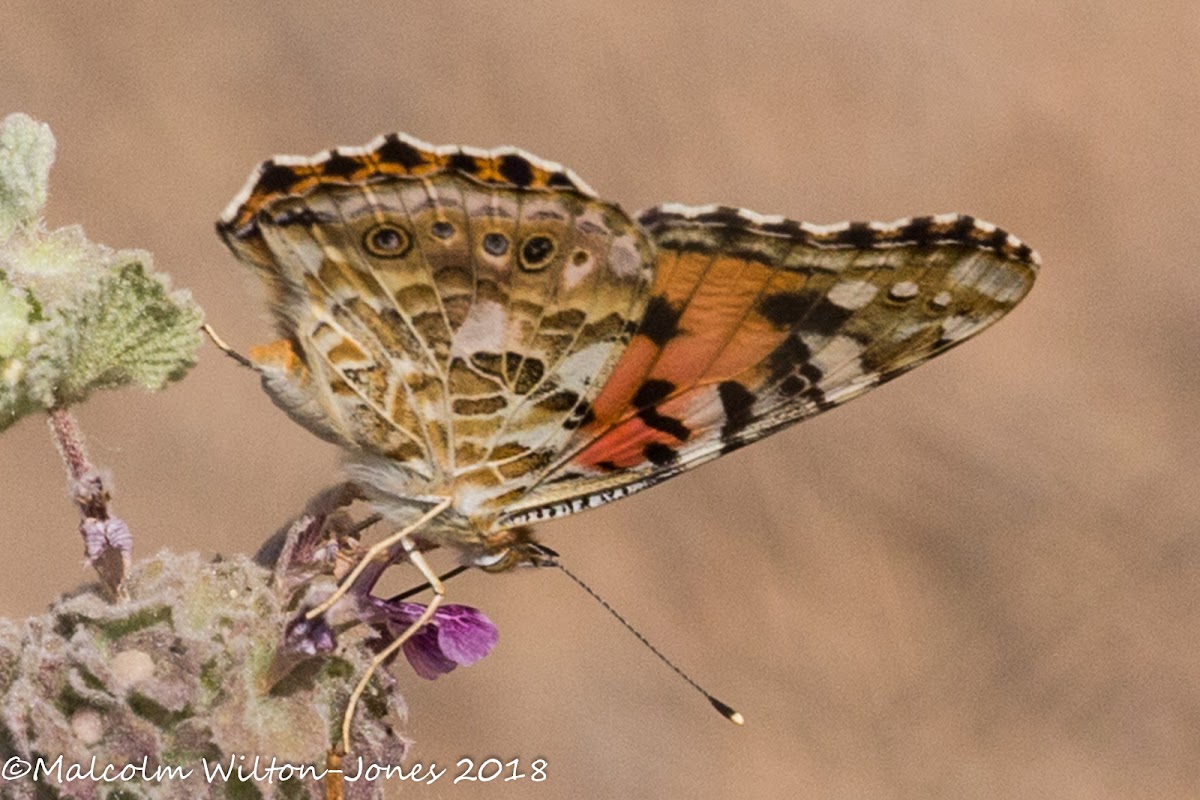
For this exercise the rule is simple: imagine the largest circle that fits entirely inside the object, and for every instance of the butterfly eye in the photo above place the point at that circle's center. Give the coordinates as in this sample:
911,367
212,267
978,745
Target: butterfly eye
503,561
495,244
537,252
386,240
442,229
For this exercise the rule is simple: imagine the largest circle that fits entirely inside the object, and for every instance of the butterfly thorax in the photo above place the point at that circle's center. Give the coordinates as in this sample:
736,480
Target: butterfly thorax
474,541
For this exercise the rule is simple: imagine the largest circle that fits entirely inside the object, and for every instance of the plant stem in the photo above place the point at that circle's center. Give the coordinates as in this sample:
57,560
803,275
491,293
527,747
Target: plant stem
107,540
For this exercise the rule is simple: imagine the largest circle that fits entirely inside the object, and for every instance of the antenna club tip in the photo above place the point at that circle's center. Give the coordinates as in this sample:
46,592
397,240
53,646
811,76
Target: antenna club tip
727,712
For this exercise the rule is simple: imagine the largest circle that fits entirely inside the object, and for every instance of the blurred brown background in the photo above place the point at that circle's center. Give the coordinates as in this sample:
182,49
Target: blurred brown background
979,582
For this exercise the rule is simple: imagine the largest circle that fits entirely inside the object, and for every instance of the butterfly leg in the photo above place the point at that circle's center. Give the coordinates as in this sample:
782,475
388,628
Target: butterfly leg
384,545
439,593
335,787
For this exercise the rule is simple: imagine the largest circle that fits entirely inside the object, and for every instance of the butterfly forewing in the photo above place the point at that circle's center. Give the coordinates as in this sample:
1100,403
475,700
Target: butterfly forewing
756,323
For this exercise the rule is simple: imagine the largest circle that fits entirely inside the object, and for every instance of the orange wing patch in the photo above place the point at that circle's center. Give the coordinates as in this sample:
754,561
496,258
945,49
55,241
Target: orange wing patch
700,329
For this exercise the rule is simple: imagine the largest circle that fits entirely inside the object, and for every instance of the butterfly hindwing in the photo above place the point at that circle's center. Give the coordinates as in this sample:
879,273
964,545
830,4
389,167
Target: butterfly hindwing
755,323
446,312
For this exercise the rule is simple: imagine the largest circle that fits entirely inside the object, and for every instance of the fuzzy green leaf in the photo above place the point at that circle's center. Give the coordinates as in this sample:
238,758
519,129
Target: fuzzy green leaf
75,316
129,329
26,153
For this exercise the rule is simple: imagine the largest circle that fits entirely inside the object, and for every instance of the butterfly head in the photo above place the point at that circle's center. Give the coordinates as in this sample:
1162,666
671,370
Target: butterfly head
515,547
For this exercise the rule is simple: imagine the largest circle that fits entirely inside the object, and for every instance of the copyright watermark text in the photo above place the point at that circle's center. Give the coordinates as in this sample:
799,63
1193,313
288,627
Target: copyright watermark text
244,768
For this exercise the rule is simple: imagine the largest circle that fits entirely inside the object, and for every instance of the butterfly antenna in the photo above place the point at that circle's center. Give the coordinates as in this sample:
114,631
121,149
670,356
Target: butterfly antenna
417,589
726,711
224,348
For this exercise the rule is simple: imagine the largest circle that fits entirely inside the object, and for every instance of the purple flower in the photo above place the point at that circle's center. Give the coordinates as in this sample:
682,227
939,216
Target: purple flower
302,640
457,635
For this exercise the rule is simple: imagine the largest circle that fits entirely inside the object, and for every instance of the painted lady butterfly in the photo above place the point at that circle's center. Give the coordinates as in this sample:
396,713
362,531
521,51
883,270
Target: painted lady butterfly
495,345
